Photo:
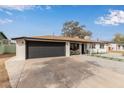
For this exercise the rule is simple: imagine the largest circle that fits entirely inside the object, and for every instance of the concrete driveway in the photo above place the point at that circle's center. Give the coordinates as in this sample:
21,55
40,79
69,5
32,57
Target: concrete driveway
75,71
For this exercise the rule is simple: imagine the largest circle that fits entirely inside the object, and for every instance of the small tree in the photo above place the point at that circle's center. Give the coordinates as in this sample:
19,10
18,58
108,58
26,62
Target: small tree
118,38
72,29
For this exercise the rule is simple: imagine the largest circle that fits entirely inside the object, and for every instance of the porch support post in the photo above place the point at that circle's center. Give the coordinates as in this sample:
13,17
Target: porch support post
88,48
91,49
67,50
80,48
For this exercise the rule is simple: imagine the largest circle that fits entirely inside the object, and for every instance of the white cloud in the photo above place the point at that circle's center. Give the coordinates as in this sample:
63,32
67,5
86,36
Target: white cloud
48,7
17,7
8,13
115,17
24,7
1,10
5,21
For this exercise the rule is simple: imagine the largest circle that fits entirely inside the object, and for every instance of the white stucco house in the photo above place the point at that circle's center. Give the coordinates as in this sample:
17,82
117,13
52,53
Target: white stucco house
53,46
116,47
106,46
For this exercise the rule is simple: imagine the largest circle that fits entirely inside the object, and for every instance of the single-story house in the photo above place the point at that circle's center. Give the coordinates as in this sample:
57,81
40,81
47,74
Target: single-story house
53,46
116,46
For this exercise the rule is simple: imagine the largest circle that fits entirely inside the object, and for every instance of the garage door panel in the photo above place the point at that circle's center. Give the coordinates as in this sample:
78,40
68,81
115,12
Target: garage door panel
45,49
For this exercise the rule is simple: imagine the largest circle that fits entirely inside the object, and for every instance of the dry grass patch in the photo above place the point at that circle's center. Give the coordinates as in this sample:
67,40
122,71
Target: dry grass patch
4,79
117,52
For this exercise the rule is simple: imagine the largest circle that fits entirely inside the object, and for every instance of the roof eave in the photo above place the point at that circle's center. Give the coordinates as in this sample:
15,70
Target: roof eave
3,35
30,38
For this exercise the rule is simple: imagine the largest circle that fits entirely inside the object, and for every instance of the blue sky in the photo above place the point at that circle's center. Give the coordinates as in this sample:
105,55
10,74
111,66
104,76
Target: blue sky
102,21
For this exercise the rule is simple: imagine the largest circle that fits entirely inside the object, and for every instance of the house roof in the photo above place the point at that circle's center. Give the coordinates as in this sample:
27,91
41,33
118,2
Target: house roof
62,38
2,36
104,41
57,38
53,38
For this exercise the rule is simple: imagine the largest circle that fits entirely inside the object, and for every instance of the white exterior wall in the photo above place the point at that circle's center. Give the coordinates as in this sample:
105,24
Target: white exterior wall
20,49
80,48
116,48
106,48
67,50
88,46
113,46
97,49
121,47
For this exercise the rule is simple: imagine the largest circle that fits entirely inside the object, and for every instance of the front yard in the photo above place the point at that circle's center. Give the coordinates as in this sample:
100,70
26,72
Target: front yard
111,56
4,79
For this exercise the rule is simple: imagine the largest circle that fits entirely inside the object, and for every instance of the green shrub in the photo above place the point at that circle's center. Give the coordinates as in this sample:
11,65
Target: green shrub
76,52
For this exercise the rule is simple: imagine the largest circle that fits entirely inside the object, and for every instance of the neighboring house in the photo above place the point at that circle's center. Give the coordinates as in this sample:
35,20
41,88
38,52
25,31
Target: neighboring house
116,47
105,47
120,47
2,36
6,46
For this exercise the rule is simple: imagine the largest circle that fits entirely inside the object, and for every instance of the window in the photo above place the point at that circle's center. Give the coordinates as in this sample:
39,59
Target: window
123,46
93,45
102,46
119,46
74,46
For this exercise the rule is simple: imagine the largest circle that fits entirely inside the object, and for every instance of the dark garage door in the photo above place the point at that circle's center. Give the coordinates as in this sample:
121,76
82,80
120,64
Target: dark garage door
37,49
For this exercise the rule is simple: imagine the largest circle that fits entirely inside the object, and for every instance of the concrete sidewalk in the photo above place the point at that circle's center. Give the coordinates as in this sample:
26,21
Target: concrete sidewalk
14,68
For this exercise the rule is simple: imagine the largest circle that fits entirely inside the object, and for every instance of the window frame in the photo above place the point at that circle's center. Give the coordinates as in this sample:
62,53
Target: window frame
102,46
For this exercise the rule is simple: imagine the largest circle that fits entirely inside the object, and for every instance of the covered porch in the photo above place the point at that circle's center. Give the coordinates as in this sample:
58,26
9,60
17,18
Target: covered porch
77,48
